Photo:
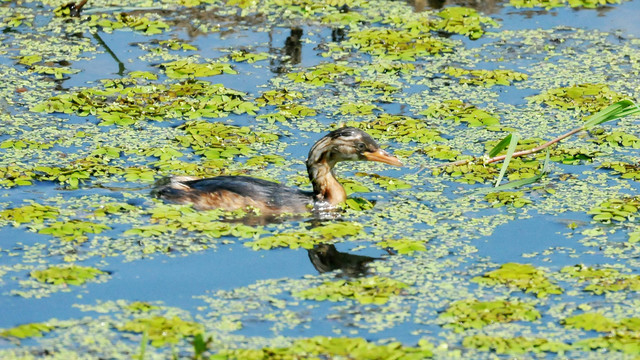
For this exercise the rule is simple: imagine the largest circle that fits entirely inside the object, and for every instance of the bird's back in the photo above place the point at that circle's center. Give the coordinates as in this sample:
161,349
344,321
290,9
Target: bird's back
235,192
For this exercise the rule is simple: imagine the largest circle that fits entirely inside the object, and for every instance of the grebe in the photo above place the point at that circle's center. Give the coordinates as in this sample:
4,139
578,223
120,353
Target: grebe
270,198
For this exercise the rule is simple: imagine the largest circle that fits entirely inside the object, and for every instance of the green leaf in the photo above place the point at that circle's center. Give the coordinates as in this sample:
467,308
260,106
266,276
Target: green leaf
513,143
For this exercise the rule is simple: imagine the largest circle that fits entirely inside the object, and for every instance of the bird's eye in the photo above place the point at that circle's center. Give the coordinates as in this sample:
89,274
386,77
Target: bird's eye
361,146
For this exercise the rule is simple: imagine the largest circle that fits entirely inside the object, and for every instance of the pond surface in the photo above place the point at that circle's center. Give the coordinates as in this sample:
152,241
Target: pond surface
426,260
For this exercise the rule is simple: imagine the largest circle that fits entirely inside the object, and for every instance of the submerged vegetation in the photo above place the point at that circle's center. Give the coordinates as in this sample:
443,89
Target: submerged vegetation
512,229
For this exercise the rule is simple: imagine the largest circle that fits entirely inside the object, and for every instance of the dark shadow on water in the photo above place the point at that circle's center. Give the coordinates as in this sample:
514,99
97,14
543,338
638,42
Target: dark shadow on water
290,54
326,258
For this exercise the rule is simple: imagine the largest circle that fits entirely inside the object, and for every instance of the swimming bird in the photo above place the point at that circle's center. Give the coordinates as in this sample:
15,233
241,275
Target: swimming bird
270,198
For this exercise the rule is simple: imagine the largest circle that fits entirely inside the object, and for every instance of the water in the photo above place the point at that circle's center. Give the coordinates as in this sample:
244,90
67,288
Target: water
213,280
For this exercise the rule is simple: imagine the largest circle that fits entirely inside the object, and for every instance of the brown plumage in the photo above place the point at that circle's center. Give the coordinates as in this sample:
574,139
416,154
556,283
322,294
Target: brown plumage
239,192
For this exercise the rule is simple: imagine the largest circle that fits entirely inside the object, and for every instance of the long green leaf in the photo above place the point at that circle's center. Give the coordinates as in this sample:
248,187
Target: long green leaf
501,146
512,148
522,182
614,111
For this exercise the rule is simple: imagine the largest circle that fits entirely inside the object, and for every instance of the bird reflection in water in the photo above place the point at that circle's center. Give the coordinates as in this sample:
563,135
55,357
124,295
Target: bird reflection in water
291,54
326,258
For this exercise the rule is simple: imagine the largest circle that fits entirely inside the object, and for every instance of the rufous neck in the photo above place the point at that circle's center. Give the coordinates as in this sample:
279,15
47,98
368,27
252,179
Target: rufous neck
325,186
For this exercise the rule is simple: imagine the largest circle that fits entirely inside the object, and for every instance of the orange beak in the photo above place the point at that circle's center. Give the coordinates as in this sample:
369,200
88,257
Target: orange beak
383,157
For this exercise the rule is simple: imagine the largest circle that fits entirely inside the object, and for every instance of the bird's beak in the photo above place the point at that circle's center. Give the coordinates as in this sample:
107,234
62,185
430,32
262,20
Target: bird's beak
383,157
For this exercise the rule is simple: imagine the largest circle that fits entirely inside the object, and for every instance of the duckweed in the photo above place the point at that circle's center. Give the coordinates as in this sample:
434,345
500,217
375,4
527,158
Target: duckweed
338,347
475,314
603,280
460,112
486,78
68,275
502,198
584,97
27,330
404,246
516,345
523,276
33,213
73,230
369,290
162,331
619,210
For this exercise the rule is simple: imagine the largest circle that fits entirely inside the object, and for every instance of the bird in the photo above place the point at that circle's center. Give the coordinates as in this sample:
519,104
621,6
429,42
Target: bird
271,198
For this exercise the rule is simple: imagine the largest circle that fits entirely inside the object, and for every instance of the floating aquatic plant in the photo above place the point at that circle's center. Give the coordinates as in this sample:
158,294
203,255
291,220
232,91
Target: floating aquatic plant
394,44
523,276
125,102
321,347
462,20
161,330
73,230
181,69
108,23
32,213
323,74
399,128
623,335
616,138
620,210
502,198
515,345
67,275
368,290
240,56
290,240
475,314
27,330
404,246
548,4
486,78
603,280
278,97
458,111
584,97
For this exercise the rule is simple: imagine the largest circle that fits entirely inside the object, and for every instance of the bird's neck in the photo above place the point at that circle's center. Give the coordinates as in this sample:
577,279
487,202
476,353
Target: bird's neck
325,186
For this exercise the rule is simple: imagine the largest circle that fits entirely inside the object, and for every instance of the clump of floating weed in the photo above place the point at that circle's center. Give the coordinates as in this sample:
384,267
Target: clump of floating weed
548,4
486,78
458,111
368,290
404,246
399,128
603,280
108,23
624,169
475,314
32,213
620,210
462,20
335,347
322,74
394,44
584,97
624,335
67,275
502,198
27,330
515,345
615,138
73,230
181,69
123,102
161,330
522,276
218,141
